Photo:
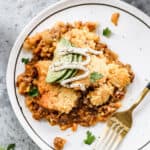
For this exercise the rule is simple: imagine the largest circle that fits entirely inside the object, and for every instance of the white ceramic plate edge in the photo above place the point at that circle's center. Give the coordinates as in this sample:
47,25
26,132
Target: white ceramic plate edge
24,33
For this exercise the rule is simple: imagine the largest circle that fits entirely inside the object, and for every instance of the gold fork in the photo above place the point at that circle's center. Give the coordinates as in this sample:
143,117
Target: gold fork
118,125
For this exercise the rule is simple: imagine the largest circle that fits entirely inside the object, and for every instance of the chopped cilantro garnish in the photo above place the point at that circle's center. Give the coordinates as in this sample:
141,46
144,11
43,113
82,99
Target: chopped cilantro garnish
95,76
90,138
33,91
25,60
11,147
107,32
1,148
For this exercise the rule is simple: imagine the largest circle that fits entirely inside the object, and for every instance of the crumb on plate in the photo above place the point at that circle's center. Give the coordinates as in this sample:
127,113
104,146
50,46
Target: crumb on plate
115,18
59,143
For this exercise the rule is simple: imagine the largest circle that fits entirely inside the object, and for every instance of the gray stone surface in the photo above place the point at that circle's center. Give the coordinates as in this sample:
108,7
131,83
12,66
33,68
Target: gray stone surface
14,15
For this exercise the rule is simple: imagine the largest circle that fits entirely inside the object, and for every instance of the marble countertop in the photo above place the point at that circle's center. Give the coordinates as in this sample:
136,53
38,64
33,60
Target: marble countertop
14,15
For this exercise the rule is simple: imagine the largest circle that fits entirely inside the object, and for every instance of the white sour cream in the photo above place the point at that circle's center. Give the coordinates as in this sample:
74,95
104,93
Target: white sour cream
74,65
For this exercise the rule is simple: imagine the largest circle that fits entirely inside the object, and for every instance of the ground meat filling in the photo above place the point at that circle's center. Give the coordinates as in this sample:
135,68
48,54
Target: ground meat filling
71,107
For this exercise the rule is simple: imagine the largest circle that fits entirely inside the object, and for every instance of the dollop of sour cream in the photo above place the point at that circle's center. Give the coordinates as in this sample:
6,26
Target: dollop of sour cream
57,66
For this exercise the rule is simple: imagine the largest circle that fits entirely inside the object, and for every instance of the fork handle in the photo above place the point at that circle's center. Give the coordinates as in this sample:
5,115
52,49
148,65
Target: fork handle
148,86
141,97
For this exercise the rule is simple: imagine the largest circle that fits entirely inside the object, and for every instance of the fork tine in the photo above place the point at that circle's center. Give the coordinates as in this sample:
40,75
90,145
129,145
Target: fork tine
109,136
117,141
106,135
110,143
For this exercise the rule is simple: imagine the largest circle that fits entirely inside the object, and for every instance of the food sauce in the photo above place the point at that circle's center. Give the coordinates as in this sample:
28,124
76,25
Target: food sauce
57,66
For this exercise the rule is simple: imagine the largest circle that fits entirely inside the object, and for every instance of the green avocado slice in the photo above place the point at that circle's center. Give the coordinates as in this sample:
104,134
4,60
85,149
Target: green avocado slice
53,76
79,59
70,71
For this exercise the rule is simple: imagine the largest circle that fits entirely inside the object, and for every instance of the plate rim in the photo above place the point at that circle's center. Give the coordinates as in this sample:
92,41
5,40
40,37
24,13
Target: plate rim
30,26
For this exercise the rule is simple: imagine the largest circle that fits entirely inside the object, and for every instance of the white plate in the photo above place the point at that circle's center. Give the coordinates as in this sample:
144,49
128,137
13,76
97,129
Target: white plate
130,40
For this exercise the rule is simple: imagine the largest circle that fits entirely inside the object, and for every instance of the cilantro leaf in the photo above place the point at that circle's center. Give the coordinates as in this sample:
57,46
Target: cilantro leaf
25,60
90,138
33,91
11,147
1,148
95,76
107,32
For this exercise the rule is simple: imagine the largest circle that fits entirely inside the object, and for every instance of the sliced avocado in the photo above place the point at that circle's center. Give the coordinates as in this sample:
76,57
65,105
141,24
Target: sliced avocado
79,59
53,76
73,72
70,71
61,44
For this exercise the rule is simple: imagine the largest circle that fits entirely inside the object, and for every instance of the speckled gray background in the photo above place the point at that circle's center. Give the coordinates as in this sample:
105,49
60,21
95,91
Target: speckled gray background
14,15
